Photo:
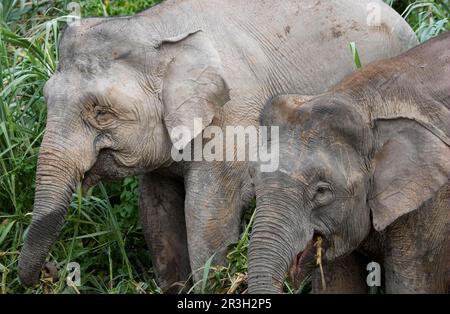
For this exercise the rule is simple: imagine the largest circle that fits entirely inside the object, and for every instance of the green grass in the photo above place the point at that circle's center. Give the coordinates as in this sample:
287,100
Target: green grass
101,231
427,18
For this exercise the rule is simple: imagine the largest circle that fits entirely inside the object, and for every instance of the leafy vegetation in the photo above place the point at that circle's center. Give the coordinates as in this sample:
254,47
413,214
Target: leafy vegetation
101,232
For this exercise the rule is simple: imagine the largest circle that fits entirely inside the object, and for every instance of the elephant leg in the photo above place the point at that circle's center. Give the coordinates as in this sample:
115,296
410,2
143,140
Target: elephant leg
344,275
161,205
213,213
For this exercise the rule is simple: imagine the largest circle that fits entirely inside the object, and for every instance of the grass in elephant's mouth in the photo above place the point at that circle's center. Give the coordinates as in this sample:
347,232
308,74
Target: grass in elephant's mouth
319,245
306,261
101,232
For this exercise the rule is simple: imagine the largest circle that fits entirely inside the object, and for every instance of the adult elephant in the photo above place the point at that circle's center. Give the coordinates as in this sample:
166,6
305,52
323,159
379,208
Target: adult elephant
364,167
124,84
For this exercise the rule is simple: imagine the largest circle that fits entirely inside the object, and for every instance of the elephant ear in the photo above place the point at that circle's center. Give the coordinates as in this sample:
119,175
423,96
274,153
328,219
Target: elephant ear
193,85
411,165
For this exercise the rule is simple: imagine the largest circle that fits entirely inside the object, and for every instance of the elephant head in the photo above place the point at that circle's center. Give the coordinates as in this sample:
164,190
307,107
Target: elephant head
117,94
342,172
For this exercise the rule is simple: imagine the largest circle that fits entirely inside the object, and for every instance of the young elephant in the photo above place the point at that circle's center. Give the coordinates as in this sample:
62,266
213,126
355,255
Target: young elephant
366,167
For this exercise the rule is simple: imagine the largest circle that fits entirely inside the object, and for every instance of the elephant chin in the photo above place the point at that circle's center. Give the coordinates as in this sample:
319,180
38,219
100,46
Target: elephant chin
305,262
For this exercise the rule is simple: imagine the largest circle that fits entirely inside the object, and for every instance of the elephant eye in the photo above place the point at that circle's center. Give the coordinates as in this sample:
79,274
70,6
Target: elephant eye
323,194
103,116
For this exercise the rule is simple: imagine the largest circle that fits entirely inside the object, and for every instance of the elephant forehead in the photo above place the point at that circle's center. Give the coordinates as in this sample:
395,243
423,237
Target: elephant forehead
95,43
120,91
88,50
305,162
88,63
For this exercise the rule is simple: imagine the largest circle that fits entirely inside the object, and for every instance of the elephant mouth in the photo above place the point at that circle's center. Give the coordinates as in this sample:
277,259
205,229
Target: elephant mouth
89,180
106,168
306,261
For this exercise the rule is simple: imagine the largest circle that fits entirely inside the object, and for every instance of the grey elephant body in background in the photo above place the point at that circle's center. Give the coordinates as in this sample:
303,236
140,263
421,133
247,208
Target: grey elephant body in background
365,167
124,84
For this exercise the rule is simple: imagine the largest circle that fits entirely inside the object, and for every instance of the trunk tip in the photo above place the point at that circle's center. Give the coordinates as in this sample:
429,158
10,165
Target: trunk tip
27,276
28,280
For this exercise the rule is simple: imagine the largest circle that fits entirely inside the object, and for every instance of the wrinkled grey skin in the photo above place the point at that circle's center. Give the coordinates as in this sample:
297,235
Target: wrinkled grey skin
366,166
124,83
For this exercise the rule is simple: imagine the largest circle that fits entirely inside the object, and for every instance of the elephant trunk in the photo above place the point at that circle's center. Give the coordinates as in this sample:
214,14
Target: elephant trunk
56,180
276,239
